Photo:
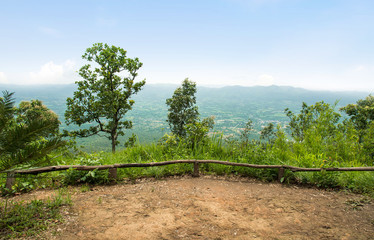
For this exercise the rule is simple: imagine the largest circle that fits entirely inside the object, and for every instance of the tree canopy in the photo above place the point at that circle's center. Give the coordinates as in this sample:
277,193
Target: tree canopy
29,111
362,117
320,117
361,113
27,133
103,96
182,108
268,133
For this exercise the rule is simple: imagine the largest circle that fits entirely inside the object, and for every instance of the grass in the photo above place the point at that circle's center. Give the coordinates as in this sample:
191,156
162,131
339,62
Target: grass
29,219
278,153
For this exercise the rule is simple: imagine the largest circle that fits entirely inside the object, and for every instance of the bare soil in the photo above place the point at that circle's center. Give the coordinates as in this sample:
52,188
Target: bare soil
212,208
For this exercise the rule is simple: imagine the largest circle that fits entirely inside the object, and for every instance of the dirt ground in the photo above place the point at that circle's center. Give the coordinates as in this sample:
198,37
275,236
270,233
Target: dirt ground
213,208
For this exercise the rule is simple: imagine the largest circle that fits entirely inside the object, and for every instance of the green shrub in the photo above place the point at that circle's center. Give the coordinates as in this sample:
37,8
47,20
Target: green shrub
72,176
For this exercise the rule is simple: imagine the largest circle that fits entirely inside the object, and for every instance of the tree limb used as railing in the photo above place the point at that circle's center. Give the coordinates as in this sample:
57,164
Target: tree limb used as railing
113,168
154,164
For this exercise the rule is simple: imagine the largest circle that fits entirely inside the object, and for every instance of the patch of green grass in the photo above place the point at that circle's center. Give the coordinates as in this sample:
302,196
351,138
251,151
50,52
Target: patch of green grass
29,219
85,188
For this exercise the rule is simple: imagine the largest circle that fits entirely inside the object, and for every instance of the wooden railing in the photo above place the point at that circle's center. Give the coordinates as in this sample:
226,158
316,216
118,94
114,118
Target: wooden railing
113,168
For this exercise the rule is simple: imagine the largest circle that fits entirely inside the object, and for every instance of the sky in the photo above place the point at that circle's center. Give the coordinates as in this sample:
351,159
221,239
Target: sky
313,44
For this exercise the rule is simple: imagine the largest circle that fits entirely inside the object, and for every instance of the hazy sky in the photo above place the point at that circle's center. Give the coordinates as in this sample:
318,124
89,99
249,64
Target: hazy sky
315,44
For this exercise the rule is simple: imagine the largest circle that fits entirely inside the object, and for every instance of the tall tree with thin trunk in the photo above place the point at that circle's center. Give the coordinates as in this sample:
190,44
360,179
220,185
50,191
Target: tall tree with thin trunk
103,96
182,108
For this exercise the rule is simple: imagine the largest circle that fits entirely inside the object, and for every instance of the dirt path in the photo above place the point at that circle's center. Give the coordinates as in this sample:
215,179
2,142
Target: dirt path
214,208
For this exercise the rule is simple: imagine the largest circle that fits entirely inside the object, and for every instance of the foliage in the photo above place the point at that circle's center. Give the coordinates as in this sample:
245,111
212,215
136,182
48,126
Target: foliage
340,151
361,113
368,141
22,185
27,133
29,219
268,133
6,110
96,176
29,111
131,141
362,116
246,132
319,117
182,109
103,96
197,131
318,129
168,140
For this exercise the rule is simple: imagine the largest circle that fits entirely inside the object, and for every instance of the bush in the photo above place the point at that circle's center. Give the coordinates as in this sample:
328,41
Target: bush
72,176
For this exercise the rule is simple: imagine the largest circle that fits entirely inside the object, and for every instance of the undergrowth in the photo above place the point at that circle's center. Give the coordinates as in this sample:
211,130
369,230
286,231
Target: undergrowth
276,153
254,153
29,219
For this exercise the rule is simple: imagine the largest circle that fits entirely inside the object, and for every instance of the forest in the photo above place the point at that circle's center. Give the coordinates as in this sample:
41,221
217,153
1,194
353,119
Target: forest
106,119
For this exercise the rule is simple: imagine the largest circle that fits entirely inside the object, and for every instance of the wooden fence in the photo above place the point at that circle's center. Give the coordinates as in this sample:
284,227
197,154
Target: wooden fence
113,168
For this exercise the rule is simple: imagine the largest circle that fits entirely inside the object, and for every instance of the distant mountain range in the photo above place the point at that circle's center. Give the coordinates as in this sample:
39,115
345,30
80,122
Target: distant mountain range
231,105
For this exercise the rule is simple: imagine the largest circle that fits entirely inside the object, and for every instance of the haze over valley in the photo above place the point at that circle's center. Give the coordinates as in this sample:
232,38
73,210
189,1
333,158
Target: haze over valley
231,106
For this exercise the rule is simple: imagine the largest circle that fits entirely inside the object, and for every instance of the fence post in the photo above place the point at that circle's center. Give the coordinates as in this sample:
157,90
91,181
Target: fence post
112,174
10,180
195,169
280,174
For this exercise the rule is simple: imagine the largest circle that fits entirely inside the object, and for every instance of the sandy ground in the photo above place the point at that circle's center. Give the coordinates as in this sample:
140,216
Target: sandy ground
212,208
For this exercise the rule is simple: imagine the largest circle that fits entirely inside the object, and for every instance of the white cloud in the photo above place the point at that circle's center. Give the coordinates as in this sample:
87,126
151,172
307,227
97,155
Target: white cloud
3,78
51,73
265,80
359,68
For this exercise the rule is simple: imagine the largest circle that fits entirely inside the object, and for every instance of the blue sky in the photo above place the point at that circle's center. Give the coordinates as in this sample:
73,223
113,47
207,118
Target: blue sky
312,44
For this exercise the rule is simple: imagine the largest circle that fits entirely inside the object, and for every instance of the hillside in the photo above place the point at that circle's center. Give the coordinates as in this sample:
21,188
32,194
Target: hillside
231,106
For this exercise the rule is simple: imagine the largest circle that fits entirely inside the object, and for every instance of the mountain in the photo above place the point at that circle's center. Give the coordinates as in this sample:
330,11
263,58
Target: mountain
231,106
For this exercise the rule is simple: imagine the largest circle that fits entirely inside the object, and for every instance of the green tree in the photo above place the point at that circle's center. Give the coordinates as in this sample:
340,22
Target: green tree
182,108
320,117
268,133
197,131
317,130
246,132
361,113
368,140
27,133
103,97
35,110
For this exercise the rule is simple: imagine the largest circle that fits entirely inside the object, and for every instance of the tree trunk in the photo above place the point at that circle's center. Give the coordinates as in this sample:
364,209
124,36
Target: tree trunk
114,140
114,132
10,180
113,146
